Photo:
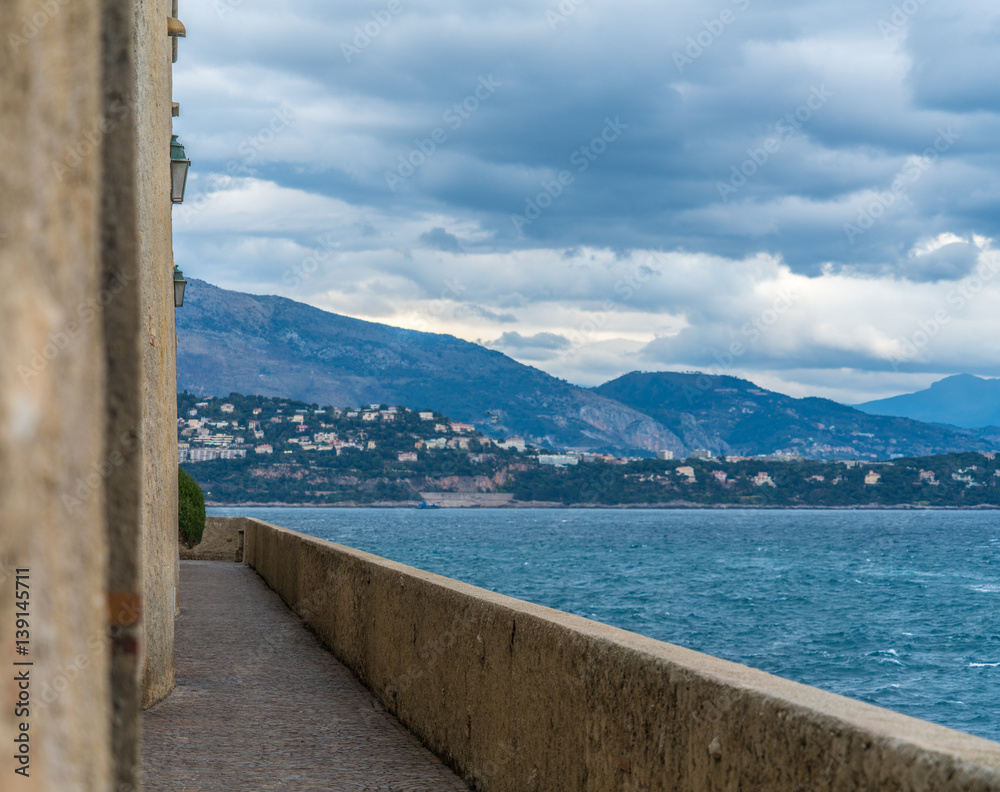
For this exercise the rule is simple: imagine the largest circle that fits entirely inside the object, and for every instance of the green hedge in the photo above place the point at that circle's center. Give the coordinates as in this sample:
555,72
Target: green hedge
190,509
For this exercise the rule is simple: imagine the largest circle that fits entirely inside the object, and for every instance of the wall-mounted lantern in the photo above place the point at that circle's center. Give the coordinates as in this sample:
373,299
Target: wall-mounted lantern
175,29
179,164
179,284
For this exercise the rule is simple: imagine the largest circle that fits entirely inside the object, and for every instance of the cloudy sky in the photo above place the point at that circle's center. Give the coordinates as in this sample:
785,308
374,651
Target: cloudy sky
802,193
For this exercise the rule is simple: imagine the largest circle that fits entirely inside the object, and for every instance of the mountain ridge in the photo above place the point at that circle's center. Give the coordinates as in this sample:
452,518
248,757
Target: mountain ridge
963,400
732,416
230,341
273,346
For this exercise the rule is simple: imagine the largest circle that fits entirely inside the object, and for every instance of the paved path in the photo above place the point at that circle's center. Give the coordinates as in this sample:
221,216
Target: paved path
260,705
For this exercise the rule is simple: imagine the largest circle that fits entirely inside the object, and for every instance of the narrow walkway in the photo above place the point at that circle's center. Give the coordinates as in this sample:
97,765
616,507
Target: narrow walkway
260,705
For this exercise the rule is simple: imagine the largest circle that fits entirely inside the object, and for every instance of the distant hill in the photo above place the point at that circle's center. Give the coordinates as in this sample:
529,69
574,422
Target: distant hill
962,400
272,346
728,415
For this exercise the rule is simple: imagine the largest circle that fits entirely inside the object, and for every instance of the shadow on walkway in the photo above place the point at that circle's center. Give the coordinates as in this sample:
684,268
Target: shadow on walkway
261,705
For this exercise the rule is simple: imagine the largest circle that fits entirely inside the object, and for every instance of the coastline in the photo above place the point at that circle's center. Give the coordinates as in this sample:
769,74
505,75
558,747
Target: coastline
678,506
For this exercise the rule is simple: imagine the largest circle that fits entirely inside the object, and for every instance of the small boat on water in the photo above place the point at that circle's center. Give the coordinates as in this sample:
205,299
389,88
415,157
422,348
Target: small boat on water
426,505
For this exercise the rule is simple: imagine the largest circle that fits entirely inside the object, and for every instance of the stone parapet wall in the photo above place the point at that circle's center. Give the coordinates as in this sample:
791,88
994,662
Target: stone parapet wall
518,697
220,542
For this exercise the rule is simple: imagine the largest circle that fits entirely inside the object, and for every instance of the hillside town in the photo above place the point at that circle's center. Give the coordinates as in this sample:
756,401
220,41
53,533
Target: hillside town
273,450
213,429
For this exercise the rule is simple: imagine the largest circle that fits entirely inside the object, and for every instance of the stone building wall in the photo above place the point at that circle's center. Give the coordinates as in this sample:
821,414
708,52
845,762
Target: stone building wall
52,427
158,343
87,482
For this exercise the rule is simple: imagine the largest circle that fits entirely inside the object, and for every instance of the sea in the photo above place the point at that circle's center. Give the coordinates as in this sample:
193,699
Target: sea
896,608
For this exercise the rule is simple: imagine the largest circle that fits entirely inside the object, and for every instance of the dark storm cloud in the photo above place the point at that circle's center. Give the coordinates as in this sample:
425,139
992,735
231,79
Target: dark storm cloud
478,311
427,144
540,341
752,126
440,239
950,262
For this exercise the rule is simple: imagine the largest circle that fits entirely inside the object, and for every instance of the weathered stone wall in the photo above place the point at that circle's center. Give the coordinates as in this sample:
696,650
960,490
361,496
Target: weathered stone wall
53,454
77,483
158,342
121,318
517,697
220,542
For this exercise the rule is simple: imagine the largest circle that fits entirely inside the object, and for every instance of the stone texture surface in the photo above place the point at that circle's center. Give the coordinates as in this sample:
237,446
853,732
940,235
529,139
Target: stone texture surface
157,340
220,542
72,400
261,705
121,318
52,390
517,697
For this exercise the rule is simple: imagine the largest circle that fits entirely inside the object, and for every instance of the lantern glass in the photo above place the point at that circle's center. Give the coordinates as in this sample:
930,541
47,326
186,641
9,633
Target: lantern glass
179,164
179,285
178,180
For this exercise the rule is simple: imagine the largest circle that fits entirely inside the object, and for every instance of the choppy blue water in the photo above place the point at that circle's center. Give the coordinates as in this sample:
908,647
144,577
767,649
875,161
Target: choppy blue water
897,608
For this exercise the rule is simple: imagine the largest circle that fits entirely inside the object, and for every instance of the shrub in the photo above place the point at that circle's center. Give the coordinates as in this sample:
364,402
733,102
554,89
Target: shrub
190,509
